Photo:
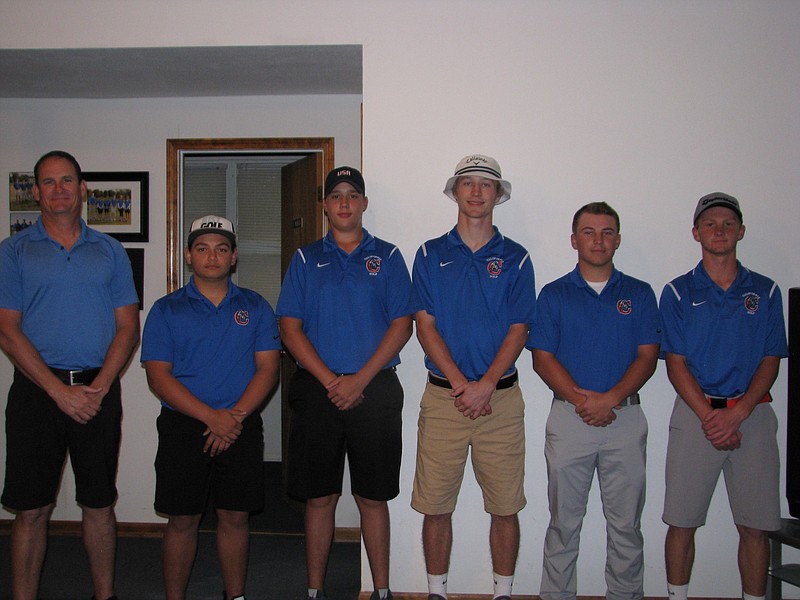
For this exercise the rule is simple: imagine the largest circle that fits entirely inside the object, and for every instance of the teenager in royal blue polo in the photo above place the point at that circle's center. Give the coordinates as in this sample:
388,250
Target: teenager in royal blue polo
478,298
345,313
724,337
595,343
211,351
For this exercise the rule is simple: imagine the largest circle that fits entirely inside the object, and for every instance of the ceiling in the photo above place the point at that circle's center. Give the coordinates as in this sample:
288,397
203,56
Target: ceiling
180,72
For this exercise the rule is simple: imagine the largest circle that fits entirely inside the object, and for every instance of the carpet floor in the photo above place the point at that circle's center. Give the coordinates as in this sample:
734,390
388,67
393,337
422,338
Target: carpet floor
276,568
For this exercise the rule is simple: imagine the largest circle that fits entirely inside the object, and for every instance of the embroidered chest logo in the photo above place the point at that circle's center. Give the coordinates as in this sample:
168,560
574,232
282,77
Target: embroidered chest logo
751,301
495,267
624,307
373,264
242,317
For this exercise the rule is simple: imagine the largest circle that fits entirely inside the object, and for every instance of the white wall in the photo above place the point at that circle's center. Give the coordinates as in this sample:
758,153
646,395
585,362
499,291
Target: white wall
645,104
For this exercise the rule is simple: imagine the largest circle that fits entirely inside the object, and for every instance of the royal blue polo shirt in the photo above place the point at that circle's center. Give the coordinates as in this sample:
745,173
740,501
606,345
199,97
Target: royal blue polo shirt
211,348
347,301
724,334
595,336
67,297
474,297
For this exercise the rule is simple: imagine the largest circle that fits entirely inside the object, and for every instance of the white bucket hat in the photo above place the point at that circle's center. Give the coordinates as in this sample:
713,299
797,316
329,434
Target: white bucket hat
478,165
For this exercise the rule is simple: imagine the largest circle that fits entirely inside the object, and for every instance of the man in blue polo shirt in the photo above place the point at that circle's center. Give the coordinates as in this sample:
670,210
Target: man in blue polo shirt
69,321
595,344
724,337
478,298
211,351
345,313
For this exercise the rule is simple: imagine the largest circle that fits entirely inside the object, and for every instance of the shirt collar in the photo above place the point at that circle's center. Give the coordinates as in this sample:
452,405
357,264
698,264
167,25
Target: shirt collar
329,243
494,245
40,233
703,280
193,292
576,278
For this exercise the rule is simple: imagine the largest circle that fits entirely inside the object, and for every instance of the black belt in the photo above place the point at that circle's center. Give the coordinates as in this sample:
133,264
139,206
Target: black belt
84,377
723,402
631,400
503,384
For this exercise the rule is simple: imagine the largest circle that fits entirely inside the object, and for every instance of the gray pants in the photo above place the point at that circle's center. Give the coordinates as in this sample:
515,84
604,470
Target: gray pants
574,451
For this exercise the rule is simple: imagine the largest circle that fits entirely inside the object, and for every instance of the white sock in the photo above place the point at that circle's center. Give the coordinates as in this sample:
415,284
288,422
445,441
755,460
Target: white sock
313,593
437,584
749,597
678,592
502,585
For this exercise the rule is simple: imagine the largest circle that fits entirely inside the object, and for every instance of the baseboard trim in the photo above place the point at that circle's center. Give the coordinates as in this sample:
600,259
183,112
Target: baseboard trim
155,530
424,596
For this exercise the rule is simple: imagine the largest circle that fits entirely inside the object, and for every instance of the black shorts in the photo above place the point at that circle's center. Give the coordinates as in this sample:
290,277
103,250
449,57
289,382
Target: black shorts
320,435
38,437
185,475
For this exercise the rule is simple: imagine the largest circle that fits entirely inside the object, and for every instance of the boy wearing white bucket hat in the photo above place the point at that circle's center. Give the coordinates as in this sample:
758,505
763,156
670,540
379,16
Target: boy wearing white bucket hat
477,293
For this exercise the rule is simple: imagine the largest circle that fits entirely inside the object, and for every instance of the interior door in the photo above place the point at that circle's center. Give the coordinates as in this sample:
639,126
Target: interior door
302,222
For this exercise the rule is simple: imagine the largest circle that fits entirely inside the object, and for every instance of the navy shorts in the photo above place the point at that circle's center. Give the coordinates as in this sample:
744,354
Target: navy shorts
186,476
38,437
320,435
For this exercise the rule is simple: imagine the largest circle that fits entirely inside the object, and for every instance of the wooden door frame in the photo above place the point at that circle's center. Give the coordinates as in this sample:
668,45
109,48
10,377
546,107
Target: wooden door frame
176,147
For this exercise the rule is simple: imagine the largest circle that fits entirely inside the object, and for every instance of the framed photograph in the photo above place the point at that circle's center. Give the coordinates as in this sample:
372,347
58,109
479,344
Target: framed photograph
20,192
117,203
136,256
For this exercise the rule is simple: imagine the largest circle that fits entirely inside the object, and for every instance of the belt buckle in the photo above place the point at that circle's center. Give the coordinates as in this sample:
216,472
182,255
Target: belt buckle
72,381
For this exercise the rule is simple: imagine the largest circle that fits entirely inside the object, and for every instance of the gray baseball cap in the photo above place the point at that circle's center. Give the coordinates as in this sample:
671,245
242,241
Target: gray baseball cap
717,199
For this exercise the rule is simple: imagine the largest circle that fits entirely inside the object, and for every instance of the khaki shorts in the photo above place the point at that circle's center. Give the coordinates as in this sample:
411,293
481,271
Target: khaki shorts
751,472
444,438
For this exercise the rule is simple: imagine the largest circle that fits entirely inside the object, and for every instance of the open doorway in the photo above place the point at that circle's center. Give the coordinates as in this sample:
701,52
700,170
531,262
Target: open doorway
271,189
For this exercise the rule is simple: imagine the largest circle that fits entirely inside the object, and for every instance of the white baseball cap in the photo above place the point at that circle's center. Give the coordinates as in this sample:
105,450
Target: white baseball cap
211,224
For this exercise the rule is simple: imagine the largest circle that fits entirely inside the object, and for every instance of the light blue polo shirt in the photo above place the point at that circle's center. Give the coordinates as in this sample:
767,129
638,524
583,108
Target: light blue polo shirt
474,297
211,348
595,336
67,297
724,334
347,301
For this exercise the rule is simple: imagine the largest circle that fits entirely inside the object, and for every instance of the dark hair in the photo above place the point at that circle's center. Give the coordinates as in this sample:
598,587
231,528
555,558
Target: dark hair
57,154
594,208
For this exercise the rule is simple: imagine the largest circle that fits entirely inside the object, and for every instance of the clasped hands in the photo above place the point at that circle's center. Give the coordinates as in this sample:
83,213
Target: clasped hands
223,429
345,392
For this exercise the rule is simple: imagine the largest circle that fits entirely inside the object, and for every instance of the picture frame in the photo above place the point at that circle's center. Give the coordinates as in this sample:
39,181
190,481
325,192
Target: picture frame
136,256
117,203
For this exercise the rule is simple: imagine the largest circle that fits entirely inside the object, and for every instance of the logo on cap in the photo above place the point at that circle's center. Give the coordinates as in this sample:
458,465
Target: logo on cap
211,225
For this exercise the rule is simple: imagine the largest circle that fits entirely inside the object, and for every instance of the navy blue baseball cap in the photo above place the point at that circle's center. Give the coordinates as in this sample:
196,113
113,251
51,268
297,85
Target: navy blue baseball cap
347,174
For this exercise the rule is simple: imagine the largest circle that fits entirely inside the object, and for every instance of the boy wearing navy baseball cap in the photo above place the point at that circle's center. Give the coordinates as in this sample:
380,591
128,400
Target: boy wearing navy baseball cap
345,313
